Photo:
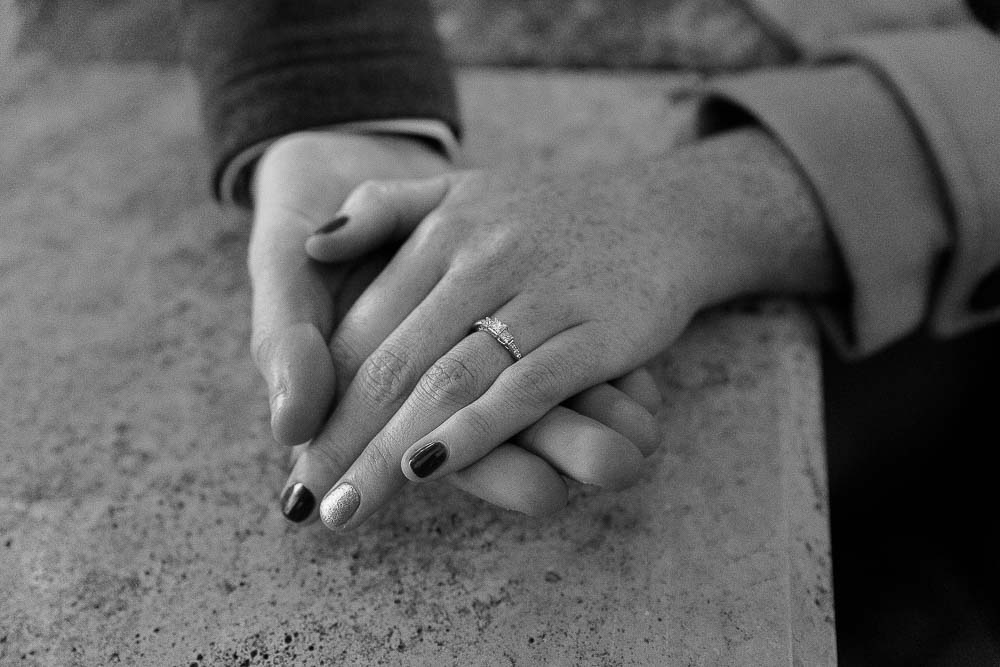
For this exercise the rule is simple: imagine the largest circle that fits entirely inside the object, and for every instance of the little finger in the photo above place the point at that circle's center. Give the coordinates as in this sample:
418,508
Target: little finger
458,377
621,413
513,479
559,368
583,449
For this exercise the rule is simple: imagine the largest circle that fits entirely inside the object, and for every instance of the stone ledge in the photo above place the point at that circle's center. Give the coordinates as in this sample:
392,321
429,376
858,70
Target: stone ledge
138,518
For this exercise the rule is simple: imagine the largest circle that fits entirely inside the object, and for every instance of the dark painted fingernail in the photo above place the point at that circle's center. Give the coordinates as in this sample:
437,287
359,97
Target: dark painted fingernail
428,458
297,502
333,225
339,505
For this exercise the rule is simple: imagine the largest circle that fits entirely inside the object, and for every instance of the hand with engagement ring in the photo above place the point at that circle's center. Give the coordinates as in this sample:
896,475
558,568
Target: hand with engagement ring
565,282
297,303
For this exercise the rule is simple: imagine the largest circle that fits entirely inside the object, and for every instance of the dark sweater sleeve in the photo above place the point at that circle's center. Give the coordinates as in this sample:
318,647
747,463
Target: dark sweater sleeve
271,67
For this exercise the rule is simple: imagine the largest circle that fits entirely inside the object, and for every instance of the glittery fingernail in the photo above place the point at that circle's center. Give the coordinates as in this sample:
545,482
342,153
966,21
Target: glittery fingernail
428,458
297,502
339,505
333,225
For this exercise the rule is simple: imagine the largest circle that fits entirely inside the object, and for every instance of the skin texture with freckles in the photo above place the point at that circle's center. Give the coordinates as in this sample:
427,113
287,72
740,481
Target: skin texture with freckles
594,272
300,184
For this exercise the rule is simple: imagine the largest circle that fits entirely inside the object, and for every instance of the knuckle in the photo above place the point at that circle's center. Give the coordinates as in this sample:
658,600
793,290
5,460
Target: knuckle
479,423
539,383
493,256
326,456
442,216
344,354
426,240
444,222
445,217
376,459
450,381
384,377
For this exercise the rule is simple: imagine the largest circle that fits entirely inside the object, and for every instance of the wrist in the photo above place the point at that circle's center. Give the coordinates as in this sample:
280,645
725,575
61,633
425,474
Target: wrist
763,227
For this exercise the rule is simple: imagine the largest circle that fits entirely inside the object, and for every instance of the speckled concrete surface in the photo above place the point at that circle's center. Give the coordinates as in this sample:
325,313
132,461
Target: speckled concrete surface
138,519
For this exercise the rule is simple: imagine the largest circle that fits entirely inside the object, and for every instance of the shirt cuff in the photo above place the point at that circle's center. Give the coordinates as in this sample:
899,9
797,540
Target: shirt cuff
948,81
234,183
872,178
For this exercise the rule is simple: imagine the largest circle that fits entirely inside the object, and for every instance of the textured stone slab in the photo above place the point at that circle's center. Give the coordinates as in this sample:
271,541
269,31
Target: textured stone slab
138,520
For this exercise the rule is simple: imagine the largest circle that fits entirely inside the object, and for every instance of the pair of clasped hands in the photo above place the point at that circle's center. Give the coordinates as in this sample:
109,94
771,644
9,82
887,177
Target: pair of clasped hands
371,259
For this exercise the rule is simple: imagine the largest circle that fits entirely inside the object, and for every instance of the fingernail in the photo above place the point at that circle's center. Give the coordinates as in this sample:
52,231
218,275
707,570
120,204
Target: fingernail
339,505
333,225
428,458
297,502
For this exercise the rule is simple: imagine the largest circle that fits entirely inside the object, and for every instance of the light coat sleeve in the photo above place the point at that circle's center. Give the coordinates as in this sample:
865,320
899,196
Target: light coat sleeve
898,135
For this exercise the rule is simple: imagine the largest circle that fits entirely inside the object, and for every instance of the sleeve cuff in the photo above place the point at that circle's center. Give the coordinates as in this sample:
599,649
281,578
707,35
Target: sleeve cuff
872,178
949,83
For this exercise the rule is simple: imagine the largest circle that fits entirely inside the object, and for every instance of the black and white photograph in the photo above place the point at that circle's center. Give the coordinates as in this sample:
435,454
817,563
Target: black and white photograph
499,333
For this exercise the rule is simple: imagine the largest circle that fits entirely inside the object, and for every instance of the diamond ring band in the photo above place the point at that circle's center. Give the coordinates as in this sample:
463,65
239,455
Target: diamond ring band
499,331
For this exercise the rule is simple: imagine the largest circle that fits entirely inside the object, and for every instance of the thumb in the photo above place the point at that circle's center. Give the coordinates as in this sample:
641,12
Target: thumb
375,213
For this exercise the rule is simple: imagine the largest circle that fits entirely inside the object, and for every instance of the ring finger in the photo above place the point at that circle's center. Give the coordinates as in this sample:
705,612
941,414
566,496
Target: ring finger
381,383
456,379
